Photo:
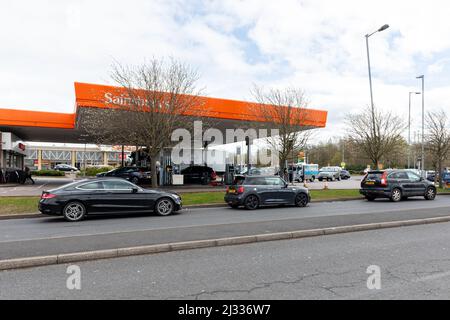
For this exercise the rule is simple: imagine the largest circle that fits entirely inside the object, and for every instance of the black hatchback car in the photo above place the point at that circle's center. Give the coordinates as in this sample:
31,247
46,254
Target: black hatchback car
254,191
396,185
106,195
132,174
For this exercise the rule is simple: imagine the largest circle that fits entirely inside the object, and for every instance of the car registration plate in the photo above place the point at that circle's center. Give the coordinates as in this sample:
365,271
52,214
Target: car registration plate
371,183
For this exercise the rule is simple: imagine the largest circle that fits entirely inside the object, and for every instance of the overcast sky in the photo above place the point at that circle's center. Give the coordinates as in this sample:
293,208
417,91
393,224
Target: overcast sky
316,45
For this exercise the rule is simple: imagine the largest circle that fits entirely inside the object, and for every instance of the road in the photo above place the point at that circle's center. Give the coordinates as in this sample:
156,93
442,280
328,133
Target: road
47,183
414,263
52,235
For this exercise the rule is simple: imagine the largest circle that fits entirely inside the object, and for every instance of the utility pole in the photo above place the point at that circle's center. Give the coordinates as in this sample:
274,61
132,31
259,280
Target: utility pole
384,27
422,160
409,129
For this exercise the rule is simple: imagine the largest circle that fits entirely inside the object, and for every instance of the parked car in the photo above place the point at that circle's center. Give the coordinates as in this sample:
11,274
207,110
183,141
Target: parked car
133,174
345,175
330,173
65,167
106,195
198,174
255,191
396,185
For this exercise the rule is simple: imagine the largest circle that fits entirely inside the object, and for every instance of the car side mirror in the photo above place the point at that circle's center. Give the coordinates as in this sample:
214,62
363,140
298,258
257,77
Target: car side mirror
422,178
134,190
285,185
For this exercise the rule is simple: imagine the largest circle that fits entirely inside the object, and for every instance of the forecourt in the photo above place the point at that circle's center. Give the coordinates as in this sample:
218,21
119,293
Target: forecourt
52,235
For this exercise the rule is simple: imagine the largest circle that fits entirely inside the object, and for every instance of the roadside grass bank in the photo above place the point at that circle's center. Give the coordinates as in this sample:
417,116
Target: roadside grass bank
18,205
24,205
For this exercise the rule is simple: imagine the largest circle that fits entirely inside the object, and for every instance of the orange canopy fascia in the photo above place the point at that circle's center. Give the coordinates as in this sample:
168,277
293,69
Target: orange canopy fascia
27,118
94,95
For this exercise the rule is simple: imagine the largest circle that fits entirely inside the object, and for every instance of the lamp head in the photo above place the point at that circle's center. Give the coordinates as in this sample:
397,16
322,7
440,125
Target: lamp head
383,28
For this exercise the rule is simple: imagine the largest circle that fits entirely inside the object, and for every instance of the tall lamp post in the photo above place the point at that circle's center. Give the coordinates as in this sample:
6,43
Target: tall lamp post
422,161
409,129
370,72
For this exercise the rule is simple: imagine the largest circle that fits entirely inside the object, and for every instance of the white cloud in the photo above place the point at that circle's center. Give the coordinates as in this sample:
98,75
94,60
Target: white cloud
317,45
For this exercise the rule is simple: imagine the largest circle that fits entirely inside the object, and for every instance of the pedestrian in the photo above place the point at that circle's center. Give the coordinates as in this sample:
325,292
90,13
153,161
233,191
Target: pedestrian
28,175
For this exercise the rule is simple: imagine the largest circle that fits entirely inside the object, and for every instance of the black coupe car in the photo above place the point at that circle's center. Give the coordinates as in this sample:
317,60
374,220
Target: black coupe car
254,191
106,195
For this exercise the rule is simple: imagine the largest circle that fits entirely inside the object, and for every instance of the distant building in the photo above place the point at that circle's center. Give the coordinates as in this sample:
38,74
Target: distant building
48,155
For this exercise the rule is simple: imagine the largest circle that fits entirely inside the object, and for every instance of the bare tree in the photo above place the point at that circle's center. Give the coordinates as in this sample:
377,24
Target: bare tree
438,139
154,100
285,110
377,134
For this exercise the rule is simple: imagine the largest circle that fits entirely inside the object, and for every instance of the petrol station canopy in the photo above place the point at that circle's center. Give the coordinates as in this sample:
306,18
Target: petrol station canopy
65,127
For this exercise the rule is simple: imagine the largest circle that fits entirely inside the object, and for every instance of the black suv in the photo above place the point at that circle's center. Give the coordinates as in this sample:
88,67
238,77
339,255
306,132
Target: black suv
396,185
133,174
253,191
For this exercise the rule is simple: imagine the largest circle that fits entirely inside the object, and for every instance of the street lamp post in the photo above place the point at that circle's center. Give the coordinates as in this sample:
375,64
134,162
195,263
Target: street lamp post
384,27
422,162
409,129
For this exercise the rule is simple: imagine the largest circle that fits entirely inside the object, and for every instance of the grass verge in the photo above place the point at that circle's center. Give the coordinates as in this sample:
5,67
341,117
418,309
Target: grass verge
18,205
22,205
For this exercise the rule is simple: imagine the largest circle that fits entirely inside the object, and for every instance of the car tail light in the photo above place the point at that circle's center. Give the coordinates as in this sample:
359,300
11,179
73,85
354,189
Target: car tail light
213,175
383,182
240,189
47,195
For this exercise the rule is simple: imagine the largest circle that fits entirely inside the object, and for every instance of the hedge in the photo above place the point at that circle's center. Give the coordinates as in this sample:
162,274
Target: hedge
49,173
92,171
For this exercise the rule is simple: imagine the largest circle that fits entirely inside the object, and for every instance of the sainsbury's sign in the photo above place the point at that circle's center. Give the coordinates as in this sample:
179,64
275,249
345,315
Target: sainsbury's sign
126,101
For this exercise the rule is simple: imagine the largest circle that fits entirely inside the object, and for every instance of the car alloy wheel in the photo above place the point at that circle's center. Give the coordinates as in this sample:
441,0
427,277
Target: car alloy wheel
301,200
251,202
430,194
74,211
396,195
164,207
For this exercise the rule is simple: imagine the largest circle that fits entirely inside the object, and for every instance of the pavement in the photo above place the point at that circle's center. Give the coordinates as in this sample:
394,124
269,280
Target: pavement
48,183
414,263
52,235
